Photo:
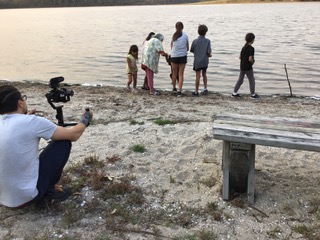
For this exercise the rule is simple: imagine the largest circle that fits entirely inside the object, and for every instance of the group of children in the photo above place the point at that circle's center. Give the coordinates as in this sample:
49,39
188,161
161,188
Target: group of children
201,48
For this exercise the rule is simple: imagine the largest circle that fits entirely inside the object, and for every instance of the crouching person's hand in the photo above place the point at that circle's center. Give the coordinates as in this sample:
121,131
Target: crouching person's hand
86,117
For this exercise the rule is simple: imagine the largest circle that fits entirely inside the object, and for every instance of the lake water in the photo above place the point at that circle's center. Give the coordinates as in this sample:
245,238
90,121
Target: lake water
89,44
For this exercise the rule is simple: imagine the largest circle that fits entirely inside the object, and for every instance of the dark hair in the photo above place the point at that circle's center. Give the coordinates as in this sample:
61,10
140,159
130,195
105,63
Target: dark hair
150,35
9,97
178,33
250,37
202,30
133,48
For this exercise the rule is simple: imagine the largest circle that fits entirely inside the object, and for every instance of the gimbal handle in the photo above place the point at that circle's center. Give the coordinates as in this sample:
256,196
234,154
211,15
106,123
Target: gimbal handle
59,115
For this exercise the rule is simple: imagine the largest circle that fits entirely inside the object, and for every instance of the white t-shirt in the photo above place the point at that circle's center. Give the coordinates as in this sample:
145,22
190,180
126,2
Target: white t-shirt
19,156
179,47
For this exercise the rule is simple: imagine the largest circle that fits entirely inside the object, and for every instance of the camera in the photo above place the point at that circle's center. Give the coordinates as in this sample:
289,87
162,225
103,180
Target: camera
59,95
56,94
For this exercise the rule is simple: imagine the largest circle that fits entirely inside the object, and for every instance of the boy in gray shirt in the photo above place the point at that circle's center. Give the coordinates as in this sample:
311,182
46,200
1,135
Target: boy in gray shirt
201,48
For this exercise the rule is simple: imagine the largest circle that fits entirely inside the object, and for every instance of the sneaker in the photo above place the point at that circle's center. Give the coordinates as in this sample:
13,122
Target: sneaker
179,94
195,94
157,93
235,95
174,90
205,92
128,88
60,194
254,96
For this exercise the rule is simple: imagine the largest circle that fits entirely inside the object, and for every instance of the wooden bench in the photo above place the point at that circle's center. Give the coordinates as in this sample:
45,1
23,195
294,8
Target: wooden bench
243,132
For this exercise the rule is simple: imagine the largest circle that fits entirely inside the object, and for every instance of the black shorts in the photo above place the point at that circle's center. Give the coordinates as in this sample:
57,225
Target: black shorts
179,60
203,69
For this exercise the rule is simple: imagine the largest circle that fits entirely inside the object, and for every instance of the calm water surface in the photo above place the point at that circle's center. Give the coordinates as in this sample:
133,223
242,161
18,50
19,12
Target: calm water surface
89,45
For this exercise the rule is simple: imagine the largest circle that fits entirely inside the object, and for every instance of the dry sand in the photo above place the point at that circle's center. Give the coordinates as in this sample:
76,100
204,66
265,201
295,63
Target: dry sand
179,162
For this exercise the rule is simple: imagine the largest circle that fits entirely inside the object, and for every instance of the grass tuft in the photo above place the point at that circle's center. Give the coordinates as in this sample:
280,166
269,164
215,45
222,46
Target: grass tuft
134,122
138,148
212,209
206,234
303,230
162,121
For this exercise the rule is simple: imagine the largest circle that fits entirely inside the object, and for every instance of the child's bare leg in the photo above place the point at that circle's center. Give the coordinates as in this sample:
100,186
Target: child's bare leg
181,73
129,81
135,76
198,73
174,76
134,79
205,79
178,75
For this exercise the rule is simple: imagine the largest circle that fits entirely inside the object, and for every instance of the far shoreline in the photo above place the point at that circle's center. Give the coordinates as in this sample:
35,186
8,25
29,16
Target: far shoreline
246,2
209,2
27,83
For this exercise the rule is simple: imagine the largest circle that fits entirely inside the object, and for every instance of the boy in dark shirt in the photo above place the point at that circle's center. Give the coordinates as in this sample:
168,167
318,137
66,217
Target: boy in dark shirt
247,60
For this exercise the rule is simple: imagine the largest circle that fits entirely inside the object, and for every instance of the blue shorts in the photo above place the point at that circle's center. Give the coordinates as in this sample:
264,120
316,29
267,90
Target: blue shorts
179,60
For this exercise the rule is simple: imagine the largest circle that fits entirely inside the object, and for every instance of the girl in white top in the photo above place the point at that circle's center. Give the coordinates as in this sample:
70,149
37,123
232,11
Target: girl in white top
179,51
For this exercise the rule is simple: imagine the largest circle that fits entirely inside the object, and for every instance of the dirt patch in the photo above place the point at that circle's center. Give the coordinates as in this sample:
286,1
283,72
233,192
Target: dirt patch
136,178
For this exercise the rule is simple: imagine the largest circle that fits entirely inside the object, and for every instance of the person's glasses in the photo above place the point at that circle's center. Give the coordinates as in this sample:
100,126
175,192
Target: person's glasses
24,97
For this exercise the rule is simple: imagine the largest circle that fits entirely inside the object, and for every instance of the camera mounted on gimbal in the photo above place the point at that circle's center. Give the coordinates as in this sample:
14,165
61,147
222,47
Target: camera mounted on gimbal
59,95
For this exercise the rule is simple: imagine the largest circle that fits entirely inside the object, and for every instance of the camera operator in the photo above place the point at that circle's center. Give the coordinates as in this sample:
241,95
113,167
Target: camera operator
25,175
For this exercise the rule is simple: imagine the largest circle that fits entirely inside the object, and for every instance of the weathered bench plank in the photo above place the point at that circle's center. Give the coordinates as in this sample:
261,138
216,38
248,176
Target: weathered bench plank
274,126
301,134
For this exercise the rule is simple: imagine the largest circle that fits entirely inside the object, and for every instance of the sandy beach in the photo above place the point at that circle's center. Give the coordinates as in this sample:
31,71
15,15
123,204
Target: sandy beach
172,188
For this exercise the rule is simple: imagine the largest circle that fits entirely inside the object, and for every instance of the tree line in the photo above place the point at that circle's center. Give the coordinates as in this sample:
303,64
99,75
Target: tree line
78,3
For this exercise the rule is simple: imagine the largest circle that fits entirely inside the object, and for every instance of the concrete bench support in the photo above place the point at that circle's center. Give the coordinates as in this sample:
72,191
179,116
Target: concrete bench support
230,161
241,134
